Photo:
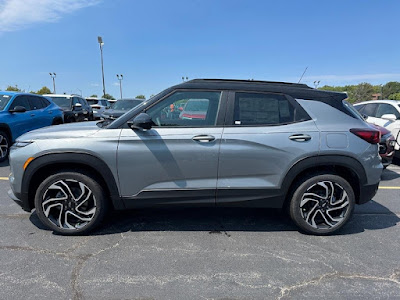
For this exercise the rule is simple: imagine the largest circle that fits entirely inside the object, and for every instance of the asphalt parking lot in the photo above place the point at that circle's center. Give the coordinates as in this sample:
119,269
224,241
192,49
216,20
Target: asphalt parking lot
204,254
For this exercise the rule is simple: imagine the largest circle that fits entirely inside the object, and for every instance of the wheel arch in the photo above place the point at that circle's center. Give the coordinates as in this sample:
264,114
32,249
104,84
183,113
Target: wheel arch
47,164
6,128
345,166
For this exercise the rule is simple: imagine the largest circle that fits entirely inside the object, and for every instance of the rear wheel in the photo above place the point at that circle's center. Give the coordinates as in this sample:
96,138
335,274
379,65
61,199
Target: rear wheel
4,145
322,204
70,203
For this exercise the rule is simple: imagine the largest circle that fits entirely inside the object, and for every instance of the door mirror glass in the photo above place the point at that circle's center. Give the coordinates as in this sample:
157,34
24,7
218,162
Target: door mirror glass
141,121
18,109
389,117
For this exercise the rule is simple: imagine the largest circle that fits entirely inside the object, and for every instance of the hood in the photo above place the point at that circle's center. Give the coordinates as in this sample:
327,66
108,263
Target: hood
72,130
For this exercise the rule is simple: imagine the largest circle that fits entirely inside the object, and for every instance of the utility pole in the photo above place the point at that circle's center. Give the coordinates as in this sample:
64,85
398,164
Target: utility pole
100,40
120,78
53,76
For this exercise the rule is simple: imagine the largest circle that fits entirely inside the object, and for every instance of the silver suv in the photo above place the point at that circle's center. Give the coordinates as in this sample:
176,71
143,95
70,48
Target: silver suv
258,144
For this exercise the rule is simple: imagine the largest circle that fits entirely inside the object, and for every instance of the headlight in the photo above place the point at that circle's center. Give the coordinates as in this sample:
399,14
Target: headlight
21,144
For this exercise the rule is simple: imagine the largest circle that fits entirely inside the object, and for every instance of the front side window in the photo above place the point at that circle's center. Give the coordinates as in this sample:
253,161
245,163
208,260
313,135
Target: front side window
21,101
264,109
385,109
186,109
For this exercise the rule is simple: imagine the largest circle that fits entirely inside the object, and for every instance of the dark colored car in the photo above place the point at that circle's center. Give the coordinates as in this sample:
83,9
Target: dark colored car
120,107
20,113
386,145
76,109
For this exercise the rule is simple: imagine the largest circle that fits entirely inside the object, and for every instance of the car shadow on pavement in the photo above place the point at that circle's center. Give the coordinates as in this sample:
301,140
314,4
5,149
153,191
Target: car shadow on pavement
389,175
4,163
226,220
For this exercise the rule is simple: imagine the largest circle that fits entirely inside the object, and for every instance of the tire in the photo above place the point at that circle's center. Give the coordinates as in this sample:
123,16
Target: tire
322,204
70,120
67,215
91,117
5,144
57,121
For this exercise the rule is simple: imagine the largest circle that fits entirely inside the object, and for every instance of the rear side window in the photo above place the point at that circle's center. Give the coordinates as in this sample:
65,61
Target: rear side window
265,109
21,101
36,102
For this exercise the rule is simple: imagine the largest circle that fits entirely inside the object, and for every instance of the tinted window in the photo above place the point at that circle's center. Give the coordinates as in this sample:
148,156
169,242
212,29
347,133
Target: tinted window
92,101
62,101
370,109
359,108
263,109
45,102
384,109
191,109
126,104
36,102
75,100
21,101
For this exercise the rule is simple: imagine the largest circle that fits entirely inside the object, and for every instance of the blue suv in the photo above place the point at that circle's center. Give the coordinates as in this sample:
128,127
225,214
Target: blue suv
20,113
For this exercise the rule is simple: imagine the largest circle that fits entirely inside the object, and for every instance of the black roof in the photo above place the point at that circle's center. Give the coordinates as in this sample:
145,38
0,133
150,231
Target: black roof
296,90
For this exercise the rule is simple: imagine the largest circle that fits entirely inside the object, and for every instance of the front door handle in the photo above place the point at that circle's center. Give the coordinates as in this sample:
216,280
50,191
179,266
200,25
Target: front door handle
32,115
300,137
203,138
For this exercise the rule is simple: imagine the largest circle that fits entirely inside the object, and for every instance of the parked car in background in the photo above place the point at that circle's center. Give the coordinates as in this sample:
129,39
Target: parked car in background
120,107
385,113
99,106
386,145
20,113
260,145
194,109
76,108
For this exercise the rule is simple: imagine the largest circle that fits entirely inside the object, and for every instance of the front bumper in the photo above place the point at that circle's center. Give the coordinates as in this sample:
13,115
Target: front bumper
20,200
367,192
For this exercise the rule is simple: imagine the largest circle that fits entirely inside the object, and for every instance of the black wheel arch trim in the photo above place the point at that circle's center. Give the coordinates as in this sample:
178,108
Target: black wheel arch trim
82,158
4,126
323,161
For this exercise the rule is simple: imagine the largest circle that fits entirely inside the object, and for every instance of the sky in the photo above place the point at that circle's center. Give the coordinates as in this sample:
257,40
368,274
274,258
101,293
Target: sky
154,43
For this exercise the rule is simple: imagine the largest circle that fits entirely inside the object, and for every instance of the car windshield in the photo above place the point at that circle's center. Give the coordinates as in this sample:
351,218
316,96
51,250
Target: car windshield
62,102
92,101
126,104
4,100
197,105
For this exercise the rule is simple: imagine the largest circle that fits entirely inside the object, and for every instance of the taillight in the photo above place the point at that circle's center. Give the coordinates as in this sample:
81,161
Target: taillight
368,135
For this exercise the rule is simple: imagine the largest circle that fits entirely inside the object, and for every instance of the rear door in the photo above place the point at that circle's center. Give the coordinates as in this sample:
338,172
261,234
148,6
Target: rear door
41,117
177,160
265,134
21,123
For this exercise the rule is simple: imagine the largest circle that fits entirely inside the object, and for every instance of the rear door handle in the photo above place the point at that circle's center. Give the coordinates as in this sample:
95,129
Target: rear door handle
32,115
203,138
300,137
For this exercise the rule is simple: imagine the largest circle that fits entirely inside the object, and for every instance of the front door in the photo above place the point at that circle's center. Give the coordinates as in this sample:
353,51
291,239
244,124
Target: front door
177,160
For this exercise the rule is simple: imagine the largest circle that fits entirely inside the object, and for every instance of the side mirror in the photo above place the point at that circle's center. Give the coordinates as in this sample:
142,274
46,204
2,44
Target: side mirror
389,117
141,121
18,109
77,105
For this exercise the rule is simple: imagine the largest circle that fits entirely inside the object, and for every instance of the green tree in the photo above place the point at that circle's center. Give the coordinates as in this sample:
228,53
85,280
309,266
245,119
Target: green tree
363,92
11,88
390,88
140,97
44,90
395,96
93,96
108,96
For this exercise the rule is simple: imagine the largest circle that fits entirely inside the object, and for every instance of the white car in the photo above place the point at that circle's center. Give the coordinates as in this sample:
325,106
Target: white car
99,106
385,113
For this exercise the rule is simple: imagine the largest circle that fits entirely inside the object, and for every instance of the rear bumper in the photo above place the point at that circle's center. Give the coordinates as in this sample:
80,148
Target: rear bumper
367,192
20,200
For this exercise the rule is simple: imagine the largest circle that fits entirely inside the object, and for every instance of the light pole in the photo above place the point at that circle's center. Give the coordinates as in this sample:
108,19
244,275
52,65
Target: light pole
53,75
120,78
100,40
183,78
79,91
316,83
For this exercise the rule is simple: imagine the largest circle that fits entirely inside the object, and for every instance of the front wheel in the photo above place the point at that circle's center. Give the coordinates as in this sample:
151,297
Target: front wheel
70,203
4,145
322,204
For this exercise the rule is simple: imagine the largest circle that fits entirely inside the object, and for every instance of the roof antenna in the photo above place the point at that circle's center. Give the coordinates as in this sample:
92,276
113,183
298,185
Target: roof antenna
305,70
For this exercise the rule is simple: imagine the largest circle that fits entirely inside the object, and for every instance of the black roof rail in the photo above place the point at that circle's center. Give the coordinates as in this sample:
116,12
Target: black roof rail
300,85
